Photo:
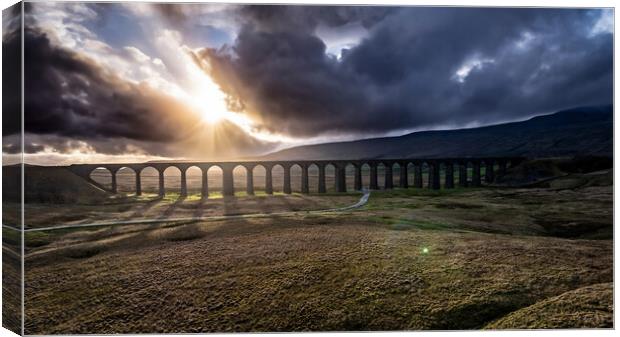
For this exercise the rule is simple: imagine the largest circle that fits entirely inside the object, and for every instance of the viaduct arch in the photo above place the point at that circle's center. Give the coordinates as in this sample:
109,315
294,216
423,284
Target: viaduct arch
450,167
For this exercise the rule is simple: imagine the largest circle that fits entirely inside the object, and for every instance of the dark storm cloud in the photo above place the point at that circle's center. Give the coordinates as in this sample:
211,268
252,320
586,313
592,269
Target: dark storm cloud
285,17
404,73
306,18
11,73
75,97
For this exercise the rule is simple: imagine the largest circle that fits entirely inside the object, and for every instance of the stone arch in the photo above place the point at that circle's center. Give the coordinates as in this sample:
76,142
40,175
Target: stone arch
330,177
277,174
381,175
410,173
365,168
240,182
446,174
442,171
259,174
296,172
395,166
249,179
172,179
149,179
193,174
102,176
392,171
126,179
426,173
350,170
215,180
313,178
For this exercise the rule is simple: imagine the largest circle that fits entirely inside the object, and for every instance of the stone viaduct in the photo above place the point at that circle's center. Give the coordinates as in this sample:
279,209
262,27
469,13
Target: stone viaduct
433,168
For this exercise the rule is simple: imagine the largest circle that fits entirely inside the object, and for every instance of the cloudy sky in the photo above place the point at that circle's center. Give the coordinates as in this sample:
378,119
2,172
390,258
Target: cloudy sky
135,81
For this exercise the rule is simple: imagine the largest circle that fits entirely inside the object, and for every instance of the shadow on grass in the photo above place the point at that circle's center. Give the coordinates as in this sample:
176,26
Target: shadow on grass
168,212
148,205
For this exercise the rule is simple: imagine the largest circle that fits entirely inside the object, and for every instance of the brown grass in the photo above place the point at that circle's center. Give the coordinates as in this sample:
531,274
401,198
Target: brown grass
11,280
151,207
587,307
412,259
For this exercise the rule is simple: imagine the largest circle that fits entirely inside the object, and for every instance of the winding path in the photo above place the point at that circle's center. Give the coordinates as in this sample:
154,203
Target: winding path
363,200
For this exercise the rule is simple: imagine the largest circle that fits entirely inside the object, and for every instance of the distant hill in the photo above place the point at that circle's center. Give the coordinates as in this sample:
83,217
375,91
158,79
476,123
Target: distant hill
574,132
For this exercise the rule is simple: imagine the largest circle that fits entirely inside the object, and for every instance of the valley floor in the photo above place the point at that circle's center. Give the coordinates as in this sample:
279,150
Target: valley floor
410,259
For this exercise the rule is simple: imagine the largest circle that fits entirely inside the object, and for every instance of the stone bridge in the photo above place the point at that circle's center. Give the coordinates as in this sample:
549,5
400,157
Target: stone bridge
433,168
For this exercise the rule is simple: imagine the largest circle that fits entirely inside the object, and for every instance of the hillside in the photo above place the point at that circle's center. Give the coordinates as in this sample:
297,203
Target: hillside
49,184
587,307
579,131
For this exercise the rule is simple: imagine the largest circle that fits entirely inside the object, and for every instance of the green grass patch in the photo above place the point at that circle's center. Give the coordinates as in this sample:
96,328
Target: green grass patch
427,225
11,237
38,239
387,220
457,205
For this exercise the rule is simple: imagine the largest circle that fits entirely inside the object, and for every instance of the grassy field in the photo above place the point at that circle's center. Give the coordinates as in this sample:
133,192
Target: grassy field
11,280
410,259
150,206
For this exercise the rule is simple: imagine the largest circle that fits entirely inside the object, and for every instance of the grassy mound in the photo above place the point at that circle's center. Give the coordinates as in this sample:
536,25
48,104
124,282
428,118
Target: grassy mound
49,185
587,307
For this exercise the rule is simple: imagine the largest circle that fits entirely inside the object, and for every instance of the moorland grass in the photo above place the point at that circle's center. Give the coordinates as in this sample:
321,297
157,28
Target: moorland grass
408,260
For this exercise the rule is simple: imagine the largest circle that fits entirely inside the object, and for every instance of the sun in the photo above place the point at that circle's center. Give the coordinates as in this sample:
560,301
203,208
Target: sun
209,100
211,116
204,95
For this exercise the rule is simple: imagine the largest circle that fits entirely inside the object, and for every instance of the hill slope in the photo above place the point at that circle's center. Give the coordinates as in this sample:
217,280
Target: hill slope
586,307
48,184
579,131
